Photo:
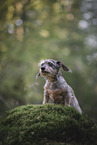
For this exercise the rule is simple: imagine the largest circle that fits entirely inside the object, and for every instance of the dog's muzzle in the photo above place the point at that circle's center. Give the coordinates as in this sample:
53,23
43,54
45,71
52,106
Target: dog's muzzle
43,70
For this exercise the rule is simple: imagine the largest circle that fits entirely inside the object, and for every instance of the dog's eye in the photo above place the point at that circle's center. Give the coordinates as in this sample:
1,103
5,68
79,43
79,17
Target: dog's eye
50,64
42,64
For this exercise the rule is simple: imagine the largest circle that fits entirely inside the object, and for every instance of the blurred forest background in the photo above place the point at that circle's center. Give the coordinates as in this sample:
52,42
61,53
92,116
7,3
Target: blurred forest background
64,30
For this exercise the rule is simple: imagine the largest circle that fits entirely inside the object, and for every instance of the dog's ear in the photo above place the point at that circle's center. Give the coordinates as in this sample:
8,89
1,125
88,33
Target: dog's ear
37,75
65,68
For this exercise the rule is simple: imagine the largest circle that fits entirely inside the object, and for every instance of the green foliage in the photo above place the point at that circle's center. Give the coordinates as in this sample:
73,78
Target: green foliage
63,30
46,124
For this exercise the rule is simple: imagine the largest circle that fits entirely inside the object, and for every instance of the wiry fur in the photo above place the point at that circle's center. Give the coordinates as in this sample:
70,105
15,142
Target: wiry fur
56,87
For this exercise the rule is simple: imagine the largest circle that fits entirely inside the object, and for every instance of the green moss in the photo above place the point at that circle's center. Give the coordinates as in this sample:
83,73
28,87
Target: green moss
46,124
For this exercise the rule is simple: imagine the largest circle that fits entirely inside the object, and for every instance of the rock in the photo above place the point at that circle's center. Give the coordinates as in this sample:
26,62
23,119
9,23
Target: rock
47,124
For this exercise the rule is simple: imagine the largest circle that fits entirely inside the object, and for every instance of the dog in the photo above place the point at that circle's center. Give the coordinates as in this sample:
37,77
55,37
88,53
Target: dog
56,87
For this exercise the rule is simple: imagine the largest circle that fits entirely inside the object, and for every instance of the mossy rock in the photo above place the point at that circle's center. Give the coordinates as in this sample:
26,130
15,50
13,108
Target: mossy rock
46,125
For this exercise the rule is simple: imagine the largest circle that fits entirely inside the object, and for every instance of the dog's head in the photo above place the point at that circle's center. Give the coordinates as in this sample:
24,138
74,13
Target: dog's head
50,67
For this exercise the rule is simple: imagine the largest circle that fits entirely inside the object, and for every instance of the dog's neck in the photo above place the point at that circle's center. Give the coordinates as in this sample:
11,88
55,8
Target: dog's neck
54,78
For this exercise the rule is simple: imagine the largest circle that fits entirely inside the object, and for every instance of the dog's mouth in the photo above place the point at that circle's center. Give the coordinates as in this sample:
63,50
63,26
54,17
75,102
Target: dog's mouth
45,72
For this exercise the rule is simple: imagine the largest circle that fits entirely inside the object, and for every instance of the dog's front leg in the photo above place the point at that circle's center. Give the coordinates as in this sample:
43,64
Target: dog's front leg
67,100
46,97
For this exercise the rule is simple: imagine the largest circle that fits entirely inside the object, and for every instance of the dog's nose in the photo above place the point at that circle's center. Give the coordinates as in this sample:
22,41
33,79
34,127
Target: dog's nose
42,68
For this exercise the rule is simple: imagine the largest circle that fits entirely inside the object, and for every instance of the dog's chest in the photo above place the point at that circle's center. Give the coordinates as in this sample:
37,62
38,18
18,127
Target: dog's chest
56,92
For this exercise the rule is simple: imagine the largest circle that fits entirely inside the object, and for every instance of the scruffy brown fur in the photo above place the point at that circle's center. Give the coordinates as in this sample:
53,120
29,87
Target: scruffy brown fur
56,87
